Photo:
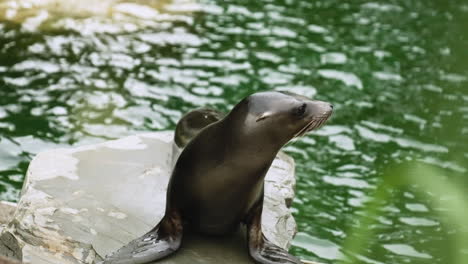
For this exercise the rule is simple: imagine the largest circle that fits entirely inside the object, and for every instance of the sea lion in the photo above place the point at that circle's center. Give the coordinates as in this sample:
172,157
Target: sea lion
217,182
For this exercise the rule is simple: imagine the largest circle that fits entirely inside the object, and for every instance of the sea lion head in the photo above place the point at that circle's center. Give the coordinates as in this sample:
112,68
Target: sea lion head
280,116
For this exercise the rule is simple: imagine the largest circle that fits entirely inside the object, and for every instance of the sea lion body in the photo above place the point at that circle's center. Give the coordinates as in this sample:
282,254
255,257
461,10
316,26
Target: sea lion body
217,182
207,202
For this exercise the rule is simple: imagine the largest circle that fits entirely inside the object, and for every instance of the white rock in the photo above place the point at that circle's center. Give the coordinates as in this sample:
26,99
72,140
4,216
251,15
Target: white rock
6,211
82,203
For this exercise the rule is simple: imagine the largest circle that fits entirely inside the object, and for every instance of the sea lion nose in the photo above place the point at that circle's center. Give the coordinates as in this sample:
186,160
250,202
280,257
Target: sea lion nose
331,106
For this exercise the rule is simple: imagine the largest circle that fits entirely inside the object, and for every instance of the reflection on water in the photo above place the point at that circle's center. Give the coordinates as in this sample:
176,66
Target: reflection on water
86,71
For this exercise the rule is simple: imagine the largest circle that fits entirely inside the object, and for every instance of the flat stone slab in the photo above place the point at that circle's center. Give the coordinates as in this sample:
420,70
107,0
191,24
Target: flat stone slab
79,204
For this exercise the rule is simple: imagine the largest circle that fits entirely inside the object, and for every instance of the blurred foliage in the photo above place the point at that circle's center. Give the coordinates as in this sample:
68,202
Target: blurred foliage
435,187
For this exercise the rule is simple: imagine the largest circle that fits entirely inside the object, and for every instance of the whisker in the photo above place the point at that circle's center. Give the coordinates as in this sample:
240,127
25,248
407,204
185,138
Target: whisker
304,128
308,128
322,121
313,124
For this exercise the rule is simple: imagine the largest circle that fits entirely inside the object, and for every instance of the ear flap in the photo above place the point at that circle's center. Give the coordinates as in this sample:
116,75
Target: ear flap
263,116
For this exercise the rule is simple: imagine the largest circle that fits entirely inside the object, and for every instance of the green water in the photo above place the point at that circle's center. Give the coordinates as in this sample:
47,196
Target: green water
396,72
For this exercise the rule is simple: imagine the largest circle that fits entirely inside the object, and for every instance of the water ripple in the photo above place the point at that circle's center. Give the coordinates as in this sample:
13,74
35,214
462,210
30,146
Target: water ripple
406,250
347,78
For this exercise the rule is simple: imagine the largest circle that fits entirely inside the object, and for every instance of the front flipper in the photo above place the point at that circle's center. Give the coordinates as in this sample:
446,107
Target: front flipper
163,240
260,249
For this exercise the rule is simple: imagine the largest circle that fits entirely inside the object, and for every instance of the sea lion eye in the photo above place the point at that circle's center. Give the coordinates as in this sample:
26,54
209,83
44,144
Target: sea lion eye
300,111
263,116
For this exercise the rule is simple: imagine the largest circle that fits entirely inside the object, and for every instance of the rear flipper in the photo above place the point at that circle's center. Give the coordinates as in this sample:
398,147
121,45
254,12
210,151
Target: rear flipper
163,240
260,249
